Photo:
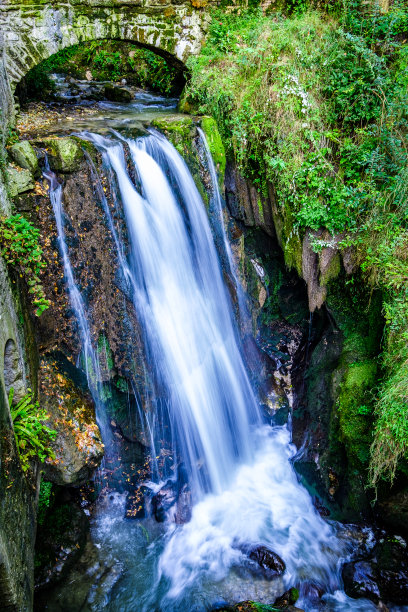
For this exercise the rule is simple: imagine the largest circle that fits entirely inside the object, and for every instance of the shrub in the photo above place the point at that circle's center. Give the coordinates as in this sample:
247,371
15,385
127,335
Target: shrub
20,248
32,436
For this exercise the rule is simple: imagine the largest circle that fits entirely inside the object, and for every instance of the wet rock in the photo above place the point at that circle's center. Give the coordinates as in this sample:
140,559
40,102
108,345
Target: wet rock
86,585
184,504
289,598
253,606
164,500
19,180
311,591
268,560
25,157
360,580
59,542
384,576
117,94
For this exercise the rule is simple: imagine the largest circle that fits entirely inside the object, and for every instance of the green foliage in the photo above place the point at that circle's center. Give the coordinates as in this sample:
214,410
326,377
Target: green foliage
20,247
354,408
32,436
356,81
319,108
107,60
45,500
12,137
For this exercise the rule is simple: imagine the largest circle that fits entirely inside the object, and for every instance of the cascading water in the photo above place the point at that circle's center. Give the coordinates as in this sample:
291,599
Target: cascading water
244,487
219,216
186,314
90,358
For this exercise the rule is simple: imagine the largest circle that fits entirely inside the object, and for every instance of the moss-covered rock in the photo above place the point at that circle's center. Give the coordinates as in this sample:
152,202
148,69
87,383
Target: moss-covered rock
24,155
117,94
179,130
354,408
253,606
19,180
64,154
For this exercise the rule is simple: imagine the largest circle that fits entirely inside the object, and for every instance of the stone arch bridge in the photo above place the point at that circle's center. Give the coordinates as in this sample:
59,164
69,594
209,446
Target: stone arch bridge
32,30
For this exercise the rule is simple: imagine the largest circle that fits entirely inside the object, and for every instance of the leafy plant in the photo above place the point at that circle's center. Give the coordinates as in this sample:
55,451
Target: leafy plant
12,137
20,247
45,500
32,436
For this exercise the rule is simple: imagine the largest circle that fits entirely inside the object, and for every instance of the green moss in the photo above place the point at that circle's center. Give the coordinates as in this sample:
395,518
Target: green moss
19,180
332,271
24,156
355,408
215,144
64,154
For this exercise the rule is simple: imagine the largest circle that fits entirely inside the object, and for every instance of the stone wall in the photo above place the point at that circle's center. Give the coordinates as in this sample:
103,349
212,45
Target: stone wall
33,32
17,369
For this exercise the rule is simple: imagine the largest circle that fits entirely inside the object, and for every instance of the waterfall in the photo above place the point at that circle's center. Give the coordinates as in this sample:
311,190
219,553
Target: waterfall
219,216
185,312
89,355
239,470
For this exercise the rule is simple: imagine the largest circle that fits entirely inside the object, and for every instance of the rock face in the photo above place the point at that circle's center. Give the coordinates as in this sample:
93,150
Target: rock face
61,540
246,204
18,355
78,446
384,576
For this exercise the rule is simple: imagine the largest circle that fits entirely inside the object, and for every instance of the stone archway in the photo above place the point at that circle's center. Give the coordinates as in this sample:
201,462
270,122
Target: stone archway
33,32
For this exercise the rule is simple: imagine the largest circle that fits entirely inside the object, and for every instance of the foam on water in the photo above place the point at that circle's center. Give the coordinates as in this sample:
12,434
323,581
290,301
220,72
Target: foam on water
243,484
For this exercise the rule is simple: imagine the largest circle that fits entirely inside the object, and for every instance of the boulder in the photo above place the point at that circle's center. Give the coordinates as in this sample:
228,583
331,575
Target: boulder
289,598
384,576
19,180
269,561
24,156
64,154
117,94
78,446
360,580
164,500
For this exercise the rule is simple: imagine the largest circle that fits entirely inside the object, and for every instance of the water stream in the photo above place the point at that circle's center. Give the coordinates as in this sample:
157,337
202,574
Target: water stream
237,470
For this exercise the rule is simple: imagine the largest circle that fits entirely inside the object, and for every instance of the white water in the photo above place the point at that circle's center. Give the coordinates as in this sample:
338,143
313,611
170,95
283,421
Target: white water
244,485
